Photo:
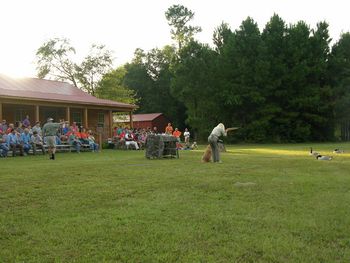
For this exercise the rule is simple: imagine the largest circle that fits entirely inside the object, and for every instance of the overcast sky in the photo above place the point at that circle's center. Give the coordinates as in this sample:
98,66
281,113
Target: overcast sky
126,25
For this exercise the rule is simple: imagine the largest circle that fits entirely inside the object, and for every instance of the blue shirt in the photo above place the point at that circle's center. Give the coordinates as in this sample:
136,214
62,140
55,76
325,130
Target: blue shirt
12,139
25,137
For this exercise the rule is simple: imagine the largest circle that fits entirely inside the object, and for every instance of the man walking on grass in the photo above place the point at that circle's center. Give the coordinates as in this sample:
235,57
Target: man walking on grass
50,131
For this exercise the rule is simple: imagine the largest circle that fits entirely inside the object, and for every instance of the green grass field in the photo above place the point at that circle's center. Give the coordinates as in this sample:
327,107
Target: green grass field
264,203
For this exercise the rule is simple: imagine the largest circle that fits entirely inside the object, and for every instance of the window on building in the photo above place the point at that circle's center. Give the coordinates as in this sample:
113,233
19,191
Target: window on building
100,119
77,117
19,115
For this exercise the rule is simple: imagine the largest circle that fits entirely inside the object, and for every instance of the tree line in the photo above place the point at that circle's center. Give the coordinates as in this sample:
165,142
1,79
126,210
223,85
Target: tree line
286,83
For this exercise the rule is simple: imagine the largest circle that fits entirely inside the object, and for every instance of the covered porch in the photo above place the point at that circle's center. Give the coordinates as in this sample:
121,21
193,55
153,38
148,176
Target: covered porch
41,98
99,119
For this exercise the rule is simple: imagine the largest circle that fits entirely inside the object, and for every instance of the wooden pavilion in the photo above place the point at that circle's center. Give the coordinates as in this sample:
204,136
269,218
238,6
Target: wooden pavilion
40,99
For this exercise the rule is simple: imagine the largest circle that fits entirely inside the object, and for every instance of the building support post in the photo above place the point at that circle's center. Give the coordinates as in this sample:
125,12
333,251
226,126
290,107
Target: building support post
37,117
68,115
131,121
86,124
110,117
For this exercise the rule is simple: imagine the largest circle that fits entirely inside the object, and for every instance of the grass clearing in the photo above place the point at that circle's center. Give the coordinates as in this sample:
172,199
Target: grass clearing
265,203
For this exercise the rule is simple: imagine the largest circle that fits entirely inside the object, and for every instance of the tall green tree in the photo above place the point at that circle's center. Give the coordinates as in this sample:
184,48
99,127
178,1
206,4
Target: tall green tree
306,104
178,17
112,86
321,108
242,79
138,79
294,102
149,75
97,63
221,35
273,37
195,86
55,59
339,70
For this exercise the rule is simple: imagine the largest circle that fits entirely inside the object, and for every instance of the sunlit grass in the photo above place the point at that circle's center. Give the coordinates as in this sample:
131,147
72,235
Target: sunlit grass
295,149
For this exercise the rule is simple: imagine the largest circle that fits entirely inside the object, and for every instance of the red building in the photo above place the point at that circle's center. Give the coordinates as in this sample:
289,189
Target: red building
148,120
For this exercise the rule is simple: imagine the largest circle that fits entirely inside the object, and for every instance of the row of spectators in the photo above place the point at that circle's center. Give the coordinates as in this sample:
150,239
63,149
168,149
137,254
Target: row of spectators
137,137
24,137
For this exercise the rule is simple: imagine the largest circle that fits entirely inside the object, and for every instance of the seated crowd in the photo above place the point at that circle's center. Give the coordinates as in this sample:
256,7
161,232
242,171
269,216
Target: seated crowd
24,137
128,138
136,138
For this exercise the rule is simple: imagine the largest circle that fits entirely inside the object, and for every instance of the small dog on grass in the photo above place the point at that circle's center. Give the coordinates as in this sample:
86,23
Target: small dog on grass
194,146
207,155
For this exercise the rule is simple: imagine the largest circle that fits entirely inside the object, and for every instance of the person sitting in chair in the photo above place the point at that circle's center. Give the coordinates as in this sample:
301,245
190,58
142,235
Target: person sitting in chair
74,141
14,142
37,142
26,141
4,148
91,139
129,140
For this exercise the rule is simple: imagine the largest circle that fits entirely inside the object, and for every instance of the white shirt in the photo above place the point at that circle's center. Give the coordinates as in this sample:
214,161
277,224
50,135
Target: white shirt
219,130
186,134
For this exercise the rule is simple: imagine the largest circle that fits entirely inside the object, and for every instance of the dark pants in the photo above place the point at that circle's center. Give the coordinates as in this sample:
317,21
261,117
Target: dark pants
14,147
36,146
76,144
3,149
26,147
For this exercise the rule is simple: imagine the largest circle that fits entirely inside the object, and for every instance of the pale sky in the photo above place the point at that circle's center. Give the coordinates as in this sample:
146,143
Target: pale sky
126,25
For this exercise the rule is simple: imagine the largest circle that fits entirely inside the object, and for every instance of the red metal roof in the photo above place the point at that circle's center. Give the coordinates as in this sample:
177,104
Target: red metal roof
145,117
137,117
51,90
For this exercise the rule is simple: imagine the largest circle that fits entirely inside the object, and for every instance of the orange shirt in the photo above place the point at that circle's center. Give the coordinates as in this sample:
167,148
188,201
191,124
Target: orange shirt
83,135
177,134
169,129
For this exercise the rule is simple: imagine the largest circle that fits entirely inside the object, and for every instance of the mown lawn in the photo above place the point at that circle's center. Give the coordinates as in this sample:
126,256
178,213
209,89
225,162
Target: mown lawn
265,203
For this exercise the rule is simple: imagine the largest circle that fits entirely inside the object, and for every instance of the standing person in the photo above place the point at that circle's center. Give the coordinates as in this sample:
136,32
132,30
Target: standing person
26,122
177,134
187,138
213,138
169,129
50,131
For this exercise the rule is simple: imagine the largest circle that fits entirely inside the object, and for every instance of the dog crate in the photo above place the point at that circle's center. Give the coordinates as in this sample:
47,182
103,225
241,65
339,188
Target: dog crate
161,146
